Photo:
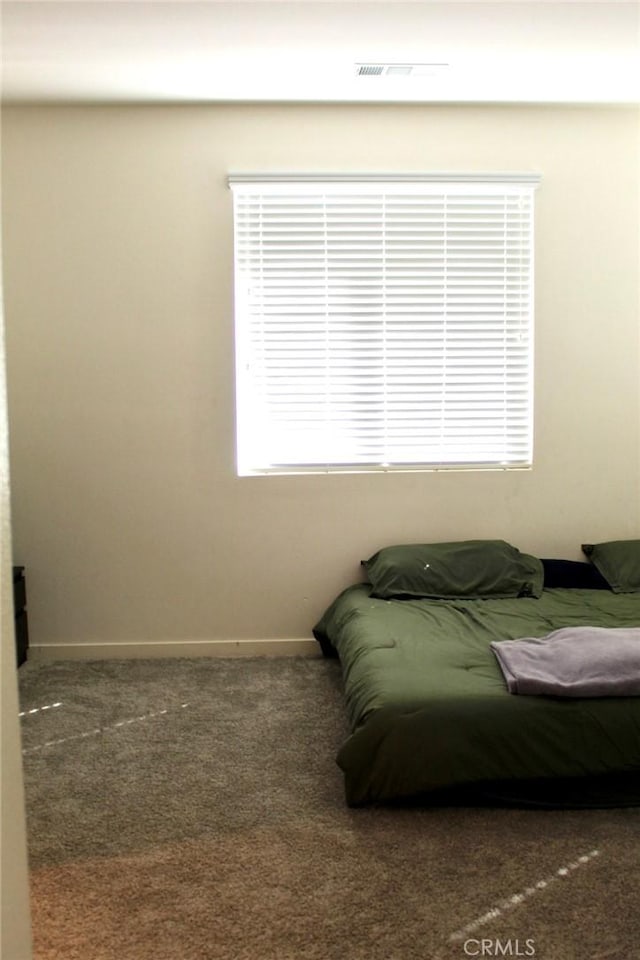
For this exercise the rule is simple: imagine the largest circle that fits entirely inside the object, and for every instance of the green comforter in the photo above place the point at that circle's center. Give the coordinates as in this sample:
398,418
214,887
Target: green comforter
429,708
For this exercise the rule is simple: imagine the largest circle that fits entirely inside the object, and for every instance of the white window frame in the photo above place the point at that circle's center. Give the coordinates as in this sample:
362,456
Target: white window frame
383,322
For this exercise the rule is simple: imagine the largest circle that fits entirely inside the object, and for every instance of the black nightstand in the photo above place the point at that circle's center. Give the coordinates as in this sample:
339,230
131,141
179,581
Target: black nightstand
20,611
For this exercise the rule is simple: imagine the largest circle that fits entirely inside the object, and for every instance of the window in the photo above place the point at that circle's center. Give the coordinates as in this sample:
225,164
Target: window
383,323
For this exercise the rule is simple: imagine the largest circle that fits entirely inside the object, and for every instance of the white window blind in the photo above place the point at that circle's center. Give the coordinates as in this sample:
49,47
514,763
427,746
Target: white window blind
383,324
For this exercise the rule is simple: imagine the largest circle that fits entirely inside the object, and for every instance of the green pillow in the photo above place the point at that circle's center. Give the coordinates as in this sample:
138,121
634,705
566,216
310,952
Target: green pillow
619,563
469,568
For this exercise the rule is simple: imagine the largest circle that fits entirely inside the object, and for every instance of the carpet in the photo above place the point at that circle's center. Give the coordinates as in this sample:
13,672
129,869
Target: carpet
191,809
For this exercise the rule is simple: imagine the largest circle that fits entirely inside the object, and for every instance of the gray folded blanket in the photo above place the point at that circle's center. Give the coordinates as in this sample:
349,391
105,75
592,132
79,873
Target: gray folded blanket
573,662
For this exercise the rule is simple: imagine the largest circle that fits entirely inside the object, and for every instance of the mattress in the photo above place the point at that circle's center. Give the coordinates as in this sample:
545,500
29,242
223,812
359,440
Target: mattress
431,717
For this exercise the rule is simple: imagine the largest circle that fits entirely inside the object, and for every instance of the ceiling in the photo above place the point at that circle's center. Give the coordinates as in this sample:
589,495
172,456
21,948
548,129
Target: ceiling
514,51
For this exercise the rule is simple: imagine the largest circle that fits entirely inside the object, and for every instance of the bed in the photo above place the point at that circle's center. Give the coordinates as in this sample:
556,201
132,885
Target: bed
430,712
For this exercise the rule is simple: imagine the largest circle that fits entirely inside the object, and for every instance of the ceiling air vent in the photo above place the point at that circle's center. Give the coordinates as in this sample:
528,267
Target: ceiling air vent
400,69
369,69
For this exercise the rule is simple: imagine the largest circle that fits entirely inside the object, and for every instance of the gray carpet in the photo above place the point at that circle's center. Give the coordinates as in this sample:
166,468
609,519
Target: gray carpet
193,810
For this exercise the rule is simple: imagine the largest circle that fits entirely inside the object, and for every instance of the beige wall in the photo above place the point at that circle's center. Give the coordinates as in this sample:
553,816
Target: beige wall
15,932
118,253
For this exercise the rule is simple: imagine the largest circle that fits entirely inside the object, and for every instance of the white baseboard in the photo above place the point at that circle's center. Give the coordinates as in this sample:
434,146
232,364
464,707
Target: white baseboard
173,648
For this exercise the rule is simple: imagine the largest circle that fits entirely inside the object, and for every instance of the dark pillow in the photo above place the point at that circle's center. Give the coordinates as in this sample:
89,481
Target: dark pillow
619,563
467,568
572,575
